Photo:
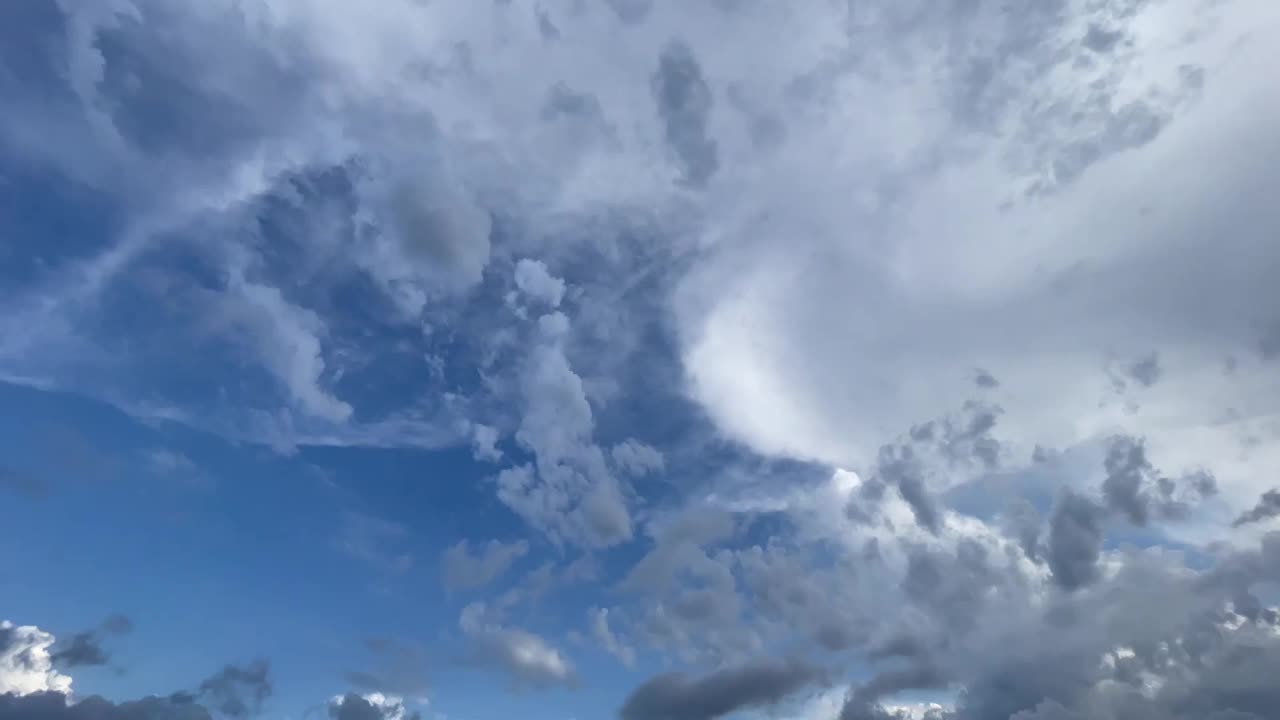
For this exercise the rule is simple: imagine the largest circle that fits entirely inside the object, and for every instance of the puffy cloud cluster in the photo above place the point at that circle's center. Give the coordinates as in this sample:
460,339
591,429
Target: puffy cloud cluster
31,689
26,664
374,706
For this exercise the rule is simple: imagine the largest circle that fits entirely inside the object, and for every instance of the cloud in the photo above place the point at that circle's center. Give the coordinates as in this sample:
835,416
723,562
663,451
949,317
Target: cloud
852,287
536,283
237,691
684,102
462,570
523,656
400,670
440,228
1127,466
50,705
1268,507
603,634
1075,541
758,684
636,459
289,339
484,441
373,706
85,648
824,354
31,689
375,541
569,493
26,664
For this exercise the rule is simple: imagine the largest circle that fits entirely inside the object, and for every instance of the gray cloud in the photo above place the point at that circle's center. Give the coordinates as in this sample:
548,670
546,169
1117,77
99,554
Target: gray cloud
951,585
56,706
355,707
528,659
1268,507
464,570
897,466
85,648
676,696
862,702
237,691
400,670
631,11
1127,468
1146,370
684,102
1075,541
1023,522
985,380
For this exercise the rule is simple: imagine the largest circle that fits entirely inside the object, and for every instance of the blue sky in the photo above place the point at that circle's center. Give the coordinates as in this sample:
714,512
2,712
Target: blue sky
656,360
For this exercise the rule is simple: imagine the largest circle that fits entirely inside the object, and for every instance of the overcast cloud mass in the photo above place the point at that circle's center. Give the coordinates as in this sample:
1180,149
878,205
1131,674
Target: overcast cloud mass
648,359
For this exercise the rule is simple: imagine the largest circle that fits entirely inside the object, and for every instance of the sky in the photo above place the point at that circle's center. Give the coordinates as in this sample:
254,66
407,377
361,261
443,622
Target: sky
639,359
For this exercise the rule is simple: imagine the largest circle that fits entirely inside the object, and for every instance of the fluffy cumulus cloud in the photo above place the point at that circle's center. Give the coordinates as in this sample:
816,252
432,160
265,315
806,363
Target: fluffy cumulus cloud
374,706
26,664
31,689
891,359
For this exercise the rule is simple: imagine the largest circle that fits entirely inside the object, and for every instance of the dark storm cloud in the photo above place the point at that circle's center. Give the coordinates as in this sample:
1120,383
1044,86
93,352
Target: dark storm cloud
684,103
1075,541
55,706
1268,507
675,696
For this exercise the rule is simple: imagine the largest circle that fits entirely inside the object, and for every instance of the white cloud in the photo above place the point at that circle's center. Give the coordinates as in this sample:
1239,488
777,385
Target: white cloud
484,443
569,493
536,283
854,287
26,665
612,644
636,458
